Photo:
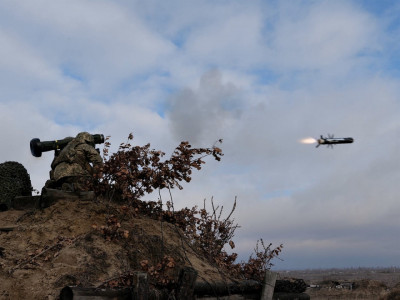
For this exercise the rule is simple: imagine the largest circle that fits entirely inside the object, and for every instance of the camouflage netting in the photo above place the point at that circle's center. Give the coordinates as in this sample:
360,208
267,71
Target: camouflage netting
14,181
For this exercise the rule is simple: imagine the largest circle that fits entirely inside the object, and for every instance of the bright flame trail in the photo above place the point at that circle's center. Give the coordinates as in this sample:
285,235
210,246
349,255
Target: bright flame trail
308,141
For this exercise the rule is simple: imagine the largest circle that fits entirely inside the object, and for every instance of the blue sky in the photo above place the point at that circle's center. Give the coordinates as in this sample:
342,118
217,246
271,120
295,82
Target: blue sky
262,75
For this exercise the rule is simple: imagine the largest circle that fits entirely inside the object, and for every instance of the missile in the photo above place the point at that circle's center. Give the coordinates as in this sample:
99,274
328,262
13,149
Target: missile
330,141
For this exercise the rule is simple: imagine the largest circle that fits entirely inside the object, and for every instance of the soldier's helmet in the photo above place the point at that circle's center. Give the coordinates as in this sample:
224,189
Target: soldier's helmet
85,137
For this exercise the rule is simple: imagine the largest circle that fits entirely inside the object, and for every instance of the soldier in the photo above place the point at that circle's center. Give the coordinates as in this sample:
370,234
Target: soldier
73,168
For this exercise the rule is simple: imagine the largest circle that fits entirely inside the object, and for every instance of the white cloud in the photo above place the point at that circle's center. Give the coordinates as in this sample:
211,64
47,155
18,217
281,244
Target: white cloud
99,44
321,35
233,40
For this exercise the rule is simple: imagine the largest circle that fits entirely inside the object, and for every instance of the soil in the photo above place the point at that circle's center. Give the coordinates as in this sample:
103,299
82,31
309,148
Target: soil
71,243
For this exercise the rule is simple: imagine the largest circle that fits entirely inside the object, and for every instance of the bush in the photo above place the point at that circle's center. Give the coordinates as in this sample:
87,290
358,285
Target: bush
14,181
133,171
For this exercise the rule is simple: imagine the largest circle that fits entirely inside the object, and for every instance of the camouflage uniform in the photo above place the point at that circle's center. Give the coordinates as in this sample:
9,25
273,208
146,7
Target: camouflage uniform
73,168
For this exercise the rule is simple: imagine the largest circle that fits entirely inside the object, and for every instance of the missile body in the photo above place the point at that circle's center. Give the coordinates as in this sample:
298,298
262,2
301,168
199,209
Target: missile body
330,141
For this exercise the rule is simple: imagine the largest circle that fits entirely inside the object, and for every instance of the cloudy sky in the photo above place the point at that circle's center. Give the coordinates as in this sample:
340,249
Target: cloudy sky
261,75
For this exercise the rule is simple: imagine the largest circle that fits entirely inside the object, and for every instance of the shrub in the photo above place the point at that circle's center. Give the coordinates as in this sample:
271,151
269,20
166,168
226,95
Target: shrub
133,171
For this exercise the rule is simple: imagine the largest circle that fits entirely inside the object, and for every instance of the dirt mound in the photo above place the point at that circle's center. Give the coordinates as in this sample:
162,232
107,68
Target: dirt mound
86,243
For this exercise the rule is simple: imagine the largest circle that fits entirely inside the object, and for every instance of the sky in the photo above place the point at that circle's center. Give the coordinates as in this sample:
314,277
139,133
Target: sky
261,75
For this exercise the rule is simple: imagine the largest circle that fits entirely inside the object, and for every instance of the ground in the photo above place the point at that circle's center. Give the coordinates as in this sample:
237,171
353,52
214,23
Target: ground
99,244
88,243
369,283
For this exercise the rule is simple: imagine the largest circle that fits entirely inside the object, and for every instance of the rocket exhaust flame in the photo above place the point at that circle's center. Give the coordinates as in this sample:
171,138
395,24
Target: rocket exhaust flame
308,141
